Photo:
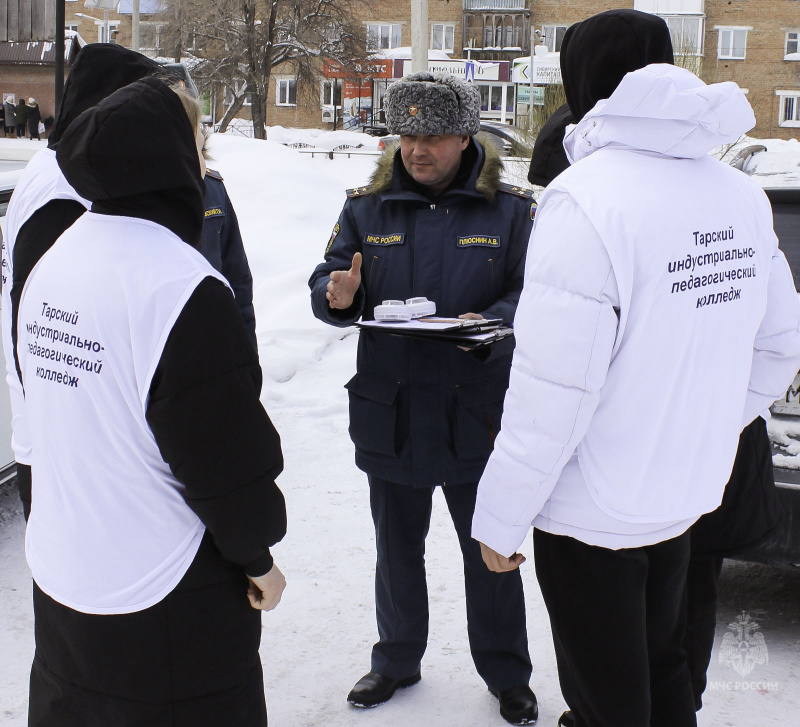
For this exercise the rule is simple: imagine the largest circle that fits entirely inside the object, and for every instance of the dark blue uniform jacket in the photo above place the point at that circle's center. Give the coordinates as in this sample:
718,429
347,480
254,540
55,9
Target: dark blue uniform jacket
221,244
426,413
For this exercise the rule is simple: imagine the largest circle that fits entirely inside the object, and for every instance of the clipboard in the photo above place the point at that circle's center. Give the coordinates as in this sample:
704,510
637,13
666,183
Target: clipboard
458,331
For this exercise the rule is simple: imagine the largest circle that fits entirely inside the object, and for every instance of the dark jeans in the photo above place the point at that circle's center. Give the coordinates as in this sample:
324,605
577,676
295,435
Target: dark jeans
495,601
618,622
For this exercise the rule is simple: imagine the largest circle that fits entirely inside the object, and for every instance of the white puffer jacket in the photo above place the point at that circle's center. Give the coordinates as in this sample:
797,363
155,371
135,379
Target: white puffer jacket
658,318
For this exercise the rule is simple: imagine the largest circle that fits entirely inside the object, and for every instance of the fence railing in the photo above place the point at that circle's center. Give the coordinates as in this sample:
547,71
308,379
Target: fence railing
494,4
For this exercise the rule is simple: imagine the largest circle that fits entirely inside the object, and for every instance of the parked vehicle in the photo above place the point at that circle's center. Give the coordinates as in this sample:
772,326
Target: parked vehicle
778,175
8,468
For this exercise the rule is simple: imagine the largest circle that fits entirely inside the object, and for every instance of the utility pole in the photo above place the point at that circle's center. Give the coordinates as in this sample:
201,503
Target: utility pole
419,35
135,26
60,51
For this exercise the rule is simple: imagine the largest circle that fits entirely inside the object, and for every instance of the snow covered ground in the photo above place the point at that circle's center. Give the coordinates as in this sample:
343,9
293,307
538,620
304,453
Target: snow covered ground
317,642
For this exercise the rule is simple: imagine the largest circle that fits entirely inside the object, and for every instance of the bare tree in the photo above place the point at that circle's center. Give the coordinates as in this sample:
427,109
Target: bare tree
237,43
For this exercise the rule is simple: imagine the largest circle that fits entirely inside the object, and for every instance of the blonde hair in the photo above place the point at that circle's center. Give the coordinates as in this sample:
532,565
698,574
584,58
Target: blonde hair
190,104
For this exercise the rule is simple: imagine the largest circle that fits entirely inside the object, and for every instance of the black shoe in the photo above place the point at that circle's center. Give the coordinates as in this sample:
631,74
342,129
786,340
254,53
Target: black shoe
518,705
566,719
374,689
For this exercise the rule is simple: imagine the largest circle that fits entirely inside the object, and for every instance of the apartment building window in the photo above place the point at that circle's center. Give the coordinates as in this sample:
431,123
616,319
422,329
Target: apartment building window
687,34
287,91
331,93
382,36
789,112
442,37
492,98
71,26
150,36
732,43
792,42
552,35
502,31
113,29
248,101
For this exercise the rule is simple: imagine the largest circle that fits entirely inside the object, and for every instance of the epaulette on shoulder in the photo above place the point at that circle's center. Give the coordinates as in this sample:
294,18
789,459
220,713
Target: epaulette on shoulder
213,173
517,191
357,192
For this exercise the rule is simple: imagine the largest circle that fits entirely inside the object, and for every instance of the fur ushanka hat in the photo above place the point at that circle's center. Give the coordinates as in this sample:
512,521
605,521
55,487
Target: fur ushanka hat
432,103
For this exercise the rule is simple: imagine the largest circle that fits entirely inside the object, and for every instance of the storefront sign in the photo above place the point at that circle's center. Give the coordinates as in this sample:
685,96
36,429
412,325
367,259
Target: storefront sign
524,94
367,69
467,69
546,71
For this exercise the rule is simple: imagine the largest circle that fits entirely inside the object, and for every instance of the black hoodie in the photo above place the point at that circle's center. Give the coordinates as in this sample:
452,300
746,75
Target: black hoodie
597,53
595,56
98,71
134,154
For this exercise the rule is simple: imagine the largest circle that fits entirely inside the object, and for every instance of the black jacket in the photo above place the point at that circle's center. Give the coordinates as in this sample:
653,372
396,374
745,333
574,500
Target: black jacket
750,509
203,406
427,413
549,158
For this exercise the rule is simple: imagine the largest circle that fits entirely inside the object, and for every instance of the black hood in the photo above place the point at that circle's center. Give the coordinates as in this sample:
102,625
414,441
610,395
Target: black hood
99,70
597,53
134,154
549,158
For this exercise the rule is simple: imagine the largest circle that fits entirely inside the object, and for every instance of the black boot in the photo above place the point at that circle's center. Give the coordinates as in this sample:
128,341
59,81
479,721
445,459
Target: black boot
517,705
566,719
374,689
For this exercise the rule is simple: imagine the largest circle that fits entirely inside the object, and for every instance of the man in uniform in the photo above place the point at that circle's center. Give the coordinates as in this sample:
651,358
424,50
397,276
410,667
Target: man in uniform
434,221
221,244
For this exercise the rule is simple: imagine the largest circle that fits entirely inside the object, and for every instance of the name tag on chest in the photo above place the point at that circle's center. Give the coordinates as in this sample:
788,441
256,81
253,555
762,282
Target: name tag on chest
479,240
396,238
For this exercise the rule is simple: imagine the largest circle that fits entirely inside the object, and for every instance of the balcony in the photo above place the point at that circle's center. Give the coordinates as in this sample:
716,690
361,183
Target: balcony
494,5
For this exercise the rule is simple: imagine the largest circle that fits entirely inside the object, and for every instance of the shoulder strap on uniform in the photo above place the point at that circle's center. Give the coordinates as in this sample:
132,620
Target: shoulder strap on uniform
517,191
213,173
357,192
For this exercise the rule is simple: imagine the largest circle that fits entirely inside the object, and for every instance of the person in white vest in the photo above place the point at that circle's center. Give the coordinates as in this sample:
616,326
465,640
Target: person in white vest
658,318
44,205
153,461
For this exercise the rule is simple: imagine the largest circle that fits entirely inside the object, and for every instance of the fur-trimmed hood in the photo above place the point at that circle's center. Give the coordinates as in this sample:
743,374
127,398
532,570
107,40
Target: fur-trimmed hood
484,179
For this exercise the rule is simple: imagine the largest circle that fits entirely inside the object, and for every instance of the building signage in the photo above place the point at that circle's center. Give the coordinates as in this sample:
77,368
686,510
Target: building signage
467,69
546,71
524,94
368,69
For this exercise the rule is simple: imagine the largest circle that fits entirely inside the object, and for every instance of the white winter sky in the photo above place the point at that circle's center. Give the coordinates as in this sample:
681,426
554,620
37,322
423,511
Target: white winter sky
316,644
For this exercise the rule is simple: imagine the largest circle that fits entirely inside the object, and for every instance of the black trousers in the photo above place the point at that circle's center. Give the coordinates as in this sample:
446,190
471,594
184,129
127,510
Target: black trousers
190,660
702,582
495,601
618,622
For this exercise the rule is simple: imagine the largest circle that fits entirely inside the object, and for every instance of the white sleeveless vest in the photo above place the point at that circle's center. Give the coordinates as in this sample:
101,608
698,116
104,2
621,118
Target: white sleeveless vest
109,531
40,183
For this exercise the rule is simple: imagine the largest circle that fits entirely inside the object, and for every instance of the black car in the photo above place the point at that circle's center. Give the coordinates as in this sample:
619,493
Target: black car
783,546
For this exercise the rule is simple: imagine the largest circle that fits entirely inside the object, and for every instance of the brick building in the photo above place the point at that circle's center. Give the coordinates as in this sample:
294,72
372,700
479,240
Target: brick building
89,23
755,43
27,70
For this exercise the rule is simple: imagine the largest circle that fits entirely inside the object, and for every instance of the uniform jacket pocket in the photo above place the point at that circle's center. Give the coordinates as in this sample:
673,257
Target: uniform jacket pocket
479,406
373,413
